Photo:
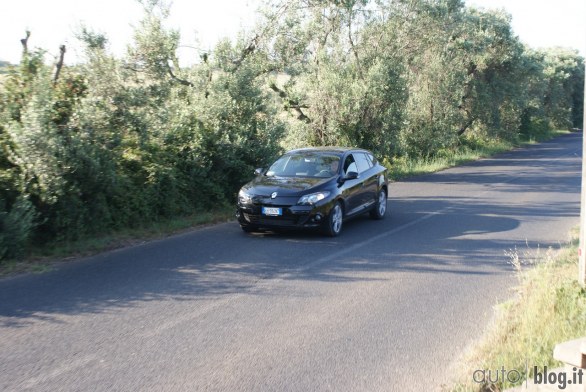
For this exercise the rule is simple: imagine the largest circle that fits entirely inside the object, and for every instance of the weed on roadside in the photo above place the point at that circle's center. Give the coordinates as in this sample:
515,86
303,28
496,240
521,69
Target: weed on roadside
549,308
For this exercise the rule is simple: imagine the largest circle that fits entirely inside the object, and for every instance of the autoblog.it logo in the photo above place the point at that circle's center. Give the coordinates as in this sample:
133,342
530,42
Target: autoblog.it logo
561,379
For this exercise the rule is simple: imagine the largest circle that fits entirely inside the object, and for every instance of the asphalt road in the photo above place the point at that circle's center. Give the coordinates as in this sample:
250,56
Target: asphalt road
387,306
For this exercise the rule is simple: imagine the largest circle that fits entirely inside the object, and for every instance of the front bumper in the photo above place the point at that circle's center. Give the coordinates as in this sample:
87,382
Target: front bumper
294,216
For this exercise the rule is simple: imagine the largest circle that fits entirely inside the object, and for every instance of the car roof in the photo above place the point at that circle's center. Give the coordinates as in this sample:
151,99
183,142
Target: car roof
335,150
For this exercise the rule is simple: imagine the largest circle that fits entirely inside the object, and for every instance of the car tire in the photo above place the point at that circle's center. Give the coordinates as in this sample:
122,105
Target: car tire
380,206
333,226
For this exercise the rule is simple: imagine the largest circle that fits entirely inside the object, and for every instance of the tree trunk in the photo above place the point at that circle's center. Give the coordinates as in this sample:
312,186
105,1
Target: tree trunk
59,64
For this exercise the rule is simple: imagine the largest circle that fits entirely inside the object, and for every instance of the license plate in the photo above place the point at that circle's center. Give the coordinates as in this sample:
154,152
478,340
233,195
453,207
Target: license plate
272,211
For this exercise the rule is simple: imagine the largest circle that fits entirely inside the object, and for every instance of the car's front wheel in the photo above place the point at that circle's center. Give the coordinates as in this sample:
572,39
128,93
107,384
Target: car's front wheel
380,206
335,219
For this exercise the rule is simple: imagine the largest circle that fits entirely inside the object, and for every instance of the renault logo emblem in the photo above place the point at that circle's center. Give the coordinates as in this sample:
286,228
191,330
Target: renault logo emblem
273,195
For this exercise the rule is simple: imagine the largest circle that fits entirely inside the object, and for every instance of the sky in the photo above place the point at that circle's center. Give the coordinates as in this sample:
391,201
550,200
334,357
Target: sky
538,23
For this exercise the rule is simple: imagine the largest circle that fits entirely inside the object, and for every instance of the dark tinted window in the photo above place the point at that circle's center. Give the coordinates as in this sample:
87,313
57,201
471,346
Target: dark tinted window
350,165
362,162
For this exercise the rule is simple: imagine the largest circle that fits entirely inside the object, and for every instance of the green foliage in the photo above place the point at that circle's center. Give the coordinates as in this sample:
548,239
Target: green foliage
4,67
92,39
16,228
118,143
448,70
342,87
37,147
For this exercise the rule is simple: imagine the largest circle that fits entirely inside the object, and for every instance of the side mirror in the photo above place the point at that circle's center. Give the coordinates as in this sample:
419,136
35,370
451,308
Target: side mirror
350,176
258,171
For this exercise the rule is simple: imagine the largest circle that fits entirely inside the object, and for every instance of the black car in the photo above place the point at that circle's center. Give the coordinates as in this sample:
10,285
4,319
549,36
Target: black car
314,188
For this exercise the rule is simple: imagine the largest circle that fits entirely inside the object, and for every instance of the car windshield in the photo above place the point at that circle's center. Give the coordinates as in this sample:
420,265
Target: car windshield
305,164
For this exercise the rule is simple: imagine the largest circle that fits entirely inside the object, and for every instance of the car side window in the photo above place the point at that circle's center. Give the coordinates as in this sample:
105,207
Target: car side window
350,165
362,162
371,158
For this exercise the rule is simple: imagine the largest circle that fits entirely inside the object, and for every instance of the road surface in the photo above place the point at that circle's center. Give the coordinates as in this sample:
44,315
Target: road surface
387,306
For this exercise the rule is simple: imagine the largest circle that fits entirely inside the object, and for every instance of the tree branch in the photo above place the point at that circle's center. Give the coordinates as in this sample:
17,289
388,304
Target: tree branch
358,66
252,46
291,104
472,71
24,43
178,80
465,127
59,64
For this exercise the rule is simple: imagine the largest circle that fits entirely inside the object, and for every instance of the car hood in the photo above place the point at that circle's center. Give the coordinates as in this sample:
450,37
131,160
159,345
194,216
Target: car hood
284,186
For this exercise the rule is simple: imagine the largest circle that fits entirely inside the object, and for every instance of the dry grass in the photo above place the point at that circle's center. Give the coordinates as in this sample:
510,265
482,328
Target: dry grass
550,308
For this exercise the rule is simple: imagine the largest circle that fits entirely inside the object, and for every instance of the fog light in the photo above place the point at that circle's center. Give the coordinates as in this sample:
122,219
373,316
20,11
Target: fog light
317,218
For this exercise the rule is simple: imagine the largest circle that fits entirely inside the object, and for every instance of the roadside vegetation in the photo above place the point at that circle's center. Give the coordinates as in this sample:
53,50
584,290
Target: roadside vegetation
406,167
4,67
115,145
41,258
549,308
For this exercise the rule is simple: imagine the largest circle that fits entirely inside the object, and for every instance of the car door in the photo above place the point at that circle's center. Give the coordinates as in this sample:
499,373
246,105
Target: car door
351,189
369,179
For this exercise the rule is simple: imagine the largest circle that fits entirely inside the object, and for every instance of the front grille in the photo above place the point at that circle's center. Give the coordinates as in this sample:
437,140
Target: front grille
280,221
283,221
293,216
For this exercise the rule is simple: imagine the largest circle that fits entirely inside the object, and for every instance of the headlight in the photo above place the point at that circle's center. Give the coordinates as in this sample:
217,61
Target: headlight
244,198
313,198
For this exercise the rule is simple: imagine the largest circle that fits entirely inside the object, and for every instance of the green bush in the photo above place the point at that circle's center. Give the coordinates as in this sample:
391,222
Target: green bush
124,142
16,228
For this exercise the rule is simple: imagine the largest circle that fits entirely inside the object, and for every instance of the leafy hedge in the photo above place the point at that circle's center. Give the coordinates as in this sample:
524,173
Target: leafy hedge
121,142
